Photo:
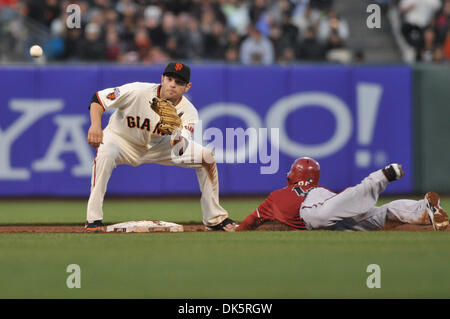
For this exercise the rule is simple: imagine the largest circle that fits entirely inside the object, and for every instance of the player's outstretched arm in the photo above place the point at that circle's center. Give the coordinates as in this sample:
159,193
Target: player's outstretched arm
95,133
252,221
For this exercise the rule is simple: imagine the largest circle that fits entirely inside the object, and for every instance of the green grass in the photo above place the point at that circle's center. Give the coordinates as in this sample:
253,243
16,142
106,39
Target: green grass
223,265
74,211
316,264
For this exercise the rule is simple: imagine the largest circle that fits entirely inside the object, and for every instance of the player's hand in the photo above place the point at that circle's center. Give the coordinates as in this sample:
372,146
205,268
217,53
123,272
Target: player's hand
95,136
231,227
178,143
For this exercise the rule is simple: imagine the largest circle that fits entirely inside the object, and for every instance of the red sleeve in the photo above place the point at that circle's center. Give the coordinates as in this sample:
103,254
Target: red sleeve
250,222
259,216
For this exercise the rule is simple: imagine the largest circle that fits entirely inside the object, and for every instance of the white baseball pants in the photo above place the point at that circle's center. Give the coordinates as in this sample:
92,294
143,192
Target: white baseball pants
116,150
354,208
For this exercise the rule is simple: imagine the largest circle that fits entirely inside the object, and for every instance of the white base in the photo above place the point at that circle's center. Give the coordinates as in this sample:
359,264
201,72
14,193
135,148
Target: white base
145,226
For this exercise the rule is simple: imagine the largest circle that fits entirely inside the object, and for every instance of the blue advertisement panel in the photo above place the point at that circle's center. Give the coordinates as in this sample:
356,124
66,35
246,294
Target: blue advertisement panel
258,120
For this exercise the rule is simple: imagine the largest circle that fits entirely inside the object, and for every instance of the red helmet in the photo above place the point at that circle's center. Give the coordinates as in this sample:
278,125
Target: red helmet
304,169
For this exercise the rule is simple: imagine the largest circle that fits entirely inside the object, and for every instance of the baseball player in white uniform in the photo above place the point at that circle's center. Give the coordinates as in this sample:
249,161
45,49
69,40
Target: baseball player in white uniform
132,138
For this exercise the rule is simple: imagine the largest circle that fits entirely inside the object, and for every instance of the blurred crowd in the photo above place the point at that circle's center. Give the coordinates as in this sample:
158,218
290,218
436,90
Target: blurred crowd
426,27
155,31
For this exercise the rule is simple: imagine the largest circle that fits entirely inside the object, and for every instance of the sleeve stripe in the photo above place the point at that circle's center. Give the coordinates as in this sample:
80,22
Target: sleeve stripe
100,102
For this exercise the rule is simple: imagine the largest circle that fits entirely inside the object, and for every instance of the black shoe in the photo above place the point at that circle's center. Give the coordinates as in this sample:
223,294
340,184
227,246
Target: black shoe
94,227
221,226
393,172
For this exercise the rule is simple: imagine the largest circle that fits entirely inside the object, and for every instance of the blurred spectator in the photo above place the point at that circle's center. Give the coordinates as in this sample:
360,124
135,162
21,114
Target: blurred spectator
232,55
157,56
92,47
256,49
169,26
142,43
283,36
287,56
102,4
236,12
275,37
288,29
113,48
11,3
334,41
127,26
206,21
310,49
359,56
335,49
234,40
417,15
340,55
438,55
35,10
84,9
278,10
334,26
192,39
173,49
232,49
305,19
446,46
178,6
442,22
323,5
215,42
125,6
257,8
152,17
426,53
72,42
300,7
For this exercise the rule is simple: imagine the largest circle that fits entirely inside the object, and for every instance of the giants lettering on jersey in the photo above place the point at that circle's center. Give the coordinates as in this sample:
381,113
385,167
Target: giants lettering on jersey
136,122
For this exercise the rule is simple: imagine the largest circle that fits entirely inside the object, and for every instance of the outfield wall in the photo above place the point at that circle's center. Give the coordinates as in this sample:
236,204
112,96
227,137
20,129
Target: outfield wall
352,119
432,128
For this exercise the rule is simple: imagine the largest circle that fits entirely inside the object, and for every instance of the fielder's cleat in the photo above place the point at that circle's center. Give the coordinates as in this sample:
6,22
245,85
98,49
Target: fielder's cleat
393,172
222,225
438,218
94,227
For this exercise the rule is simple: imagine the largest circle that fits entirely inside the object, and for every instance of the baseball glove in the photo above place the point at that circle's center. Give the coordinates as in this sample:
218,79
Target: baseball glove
169,119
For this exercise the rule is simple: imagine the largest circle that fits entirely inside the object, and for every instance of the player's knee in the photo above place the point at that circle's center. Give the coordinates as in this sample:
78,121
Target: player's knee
320,221
108,155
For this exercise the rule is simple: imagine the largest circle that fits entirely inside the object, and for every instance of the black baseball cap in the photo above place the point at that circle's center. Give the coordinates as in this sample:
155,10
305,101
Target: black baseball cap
179,69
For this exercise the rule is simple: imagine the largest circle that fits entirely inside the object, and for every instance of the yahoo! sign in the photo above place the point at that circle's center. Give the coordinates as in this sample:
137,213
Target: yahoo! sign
356,118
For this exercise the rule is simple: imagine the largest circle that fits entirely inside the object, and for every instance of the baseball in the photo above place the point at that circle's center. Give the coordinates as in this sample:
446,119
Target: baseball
36,51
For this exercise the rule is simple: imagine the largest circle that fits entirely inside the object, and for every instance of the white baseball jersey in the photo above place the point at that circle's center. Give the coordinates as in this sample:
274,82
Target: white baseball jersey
134,119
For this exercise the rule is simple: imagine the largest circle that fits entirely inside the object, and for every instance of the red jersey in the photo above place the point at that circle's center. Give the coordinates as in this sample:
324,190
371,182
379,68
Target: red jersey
282,205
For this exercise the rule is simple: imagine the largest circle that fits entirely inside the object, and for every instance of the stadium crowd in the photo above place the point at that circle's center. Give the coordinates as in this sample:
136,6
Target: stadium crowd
235,31
155,31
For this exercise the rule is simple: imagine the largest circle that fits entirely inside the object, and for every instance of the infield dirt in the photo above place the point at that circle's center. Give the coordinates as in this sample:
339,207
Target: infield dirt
189,228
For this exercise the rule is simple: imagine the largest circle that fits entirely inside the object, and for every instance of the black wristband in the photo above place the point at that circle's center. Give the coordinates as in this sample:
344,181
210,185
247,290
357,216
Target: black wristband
94,99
